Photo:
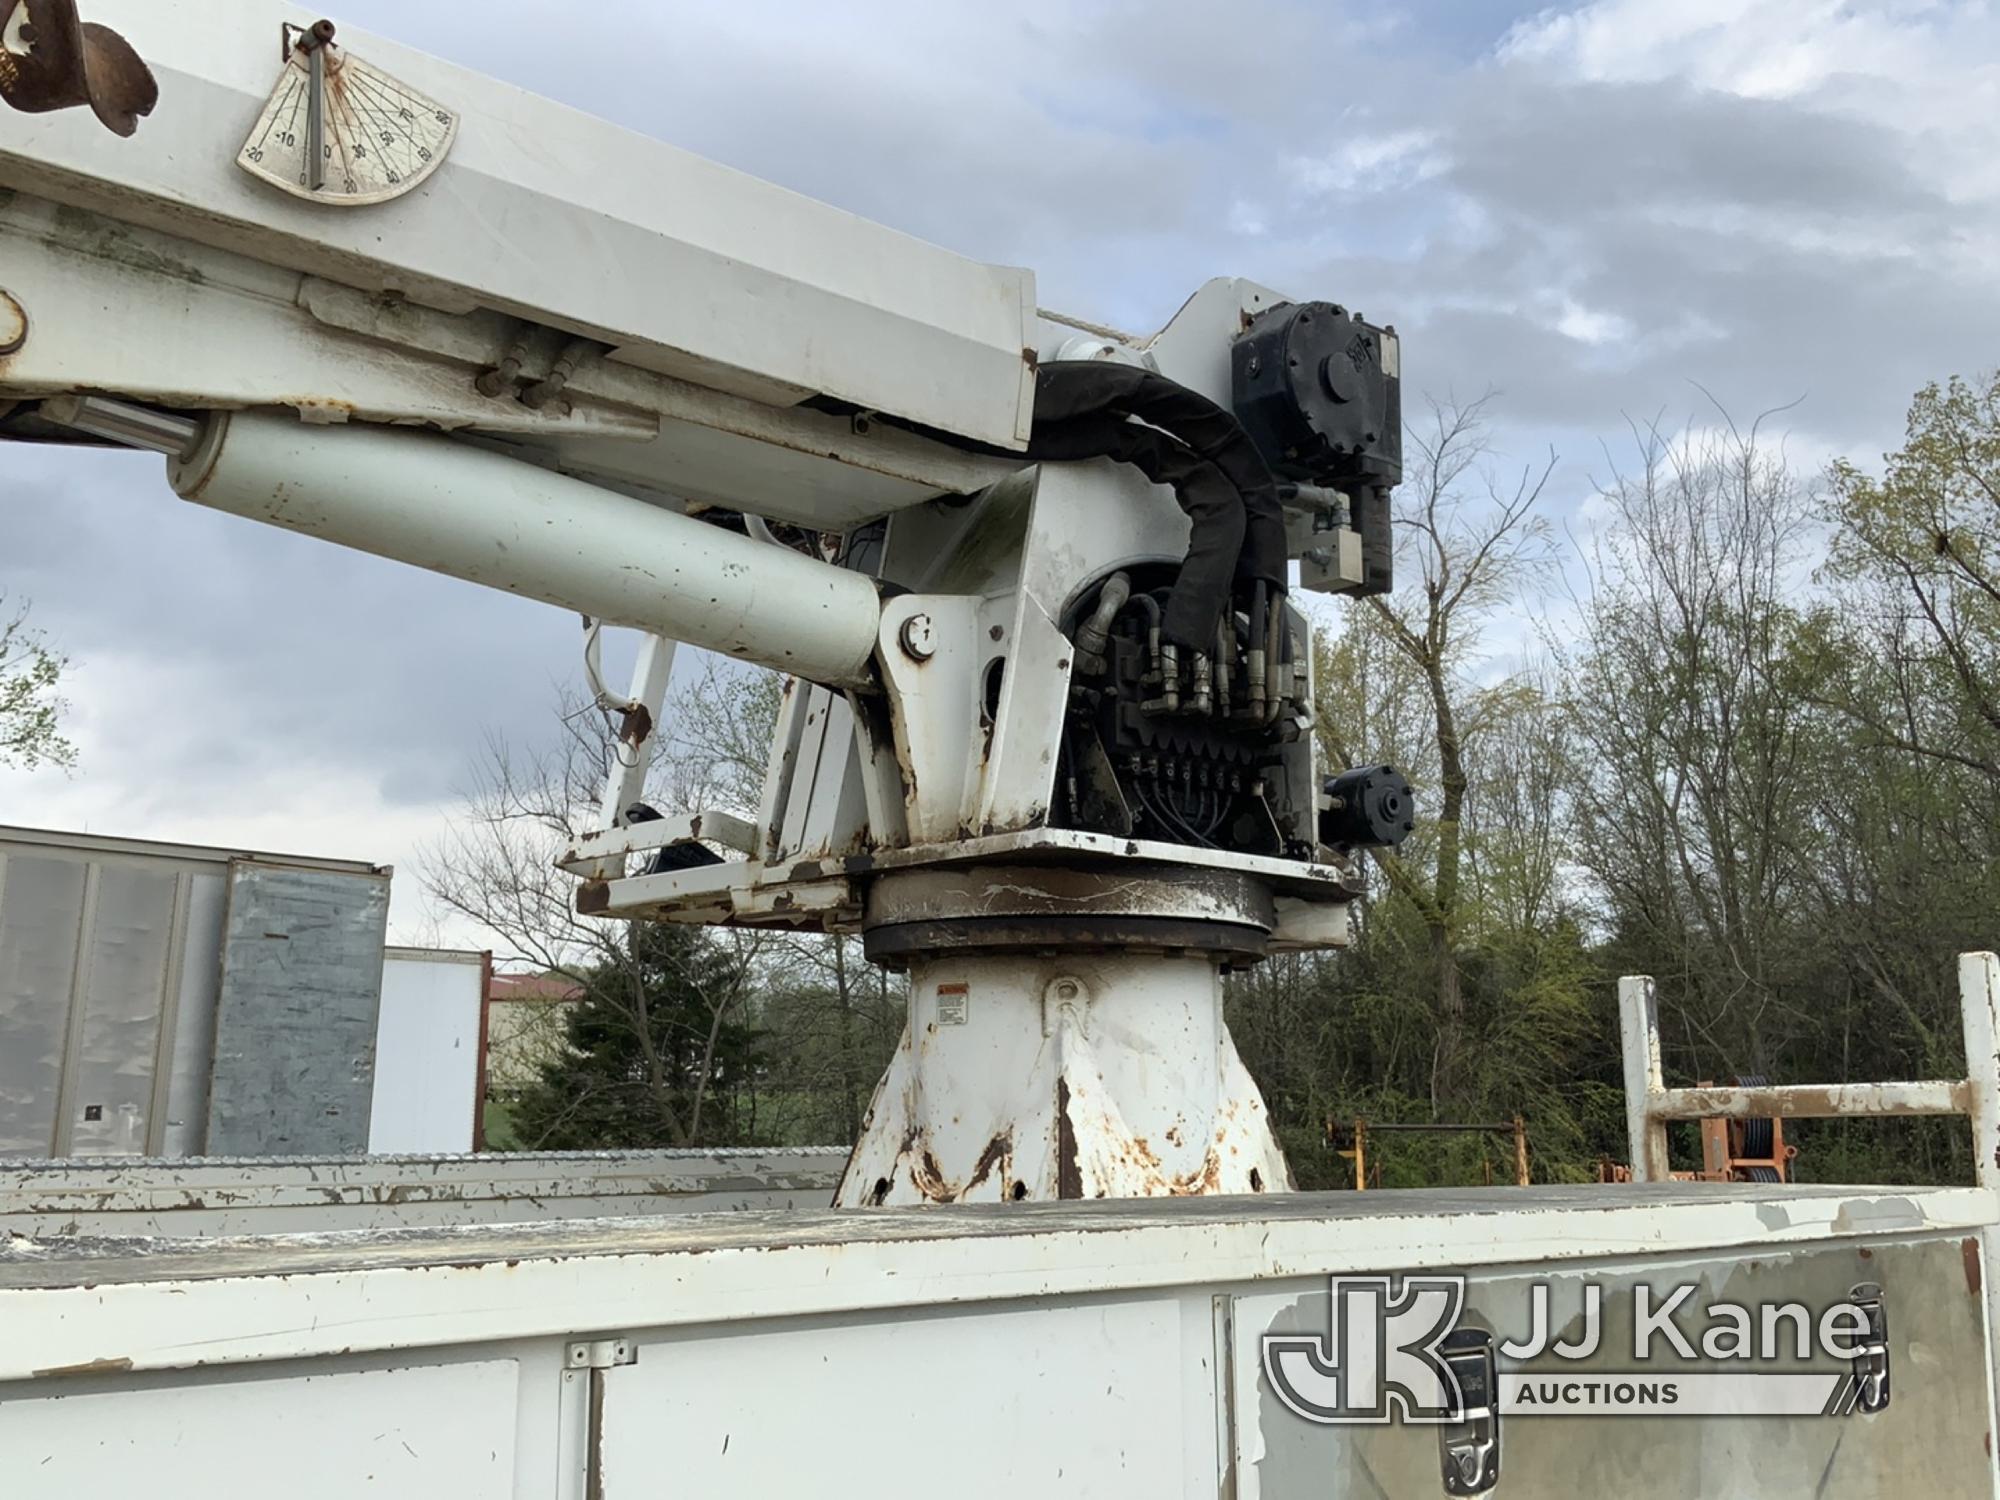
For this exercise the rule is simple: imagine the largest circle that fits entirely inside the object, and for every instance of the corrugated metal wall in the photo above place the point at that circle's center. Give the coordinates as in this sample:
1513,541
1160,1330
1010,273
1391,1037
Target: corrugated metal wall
295,1020
110,965
41,916
90,980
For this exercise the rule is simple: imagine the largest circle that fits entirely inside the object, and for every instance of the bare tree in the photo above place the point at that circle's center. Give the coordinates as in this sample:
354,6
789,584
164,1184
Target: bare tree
1471,541
1697,803
496,868
1518,808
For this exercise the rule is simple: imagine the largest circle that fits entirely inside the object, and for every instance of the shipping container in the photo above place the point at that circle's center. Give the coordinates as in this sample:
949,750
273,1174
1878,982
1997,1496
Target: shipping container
173,1000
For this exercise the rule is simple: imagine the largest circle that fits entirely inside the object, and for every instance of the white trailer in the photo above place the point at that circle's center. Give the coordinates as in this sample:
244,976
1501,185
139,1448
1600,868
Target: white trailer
149,998
146,998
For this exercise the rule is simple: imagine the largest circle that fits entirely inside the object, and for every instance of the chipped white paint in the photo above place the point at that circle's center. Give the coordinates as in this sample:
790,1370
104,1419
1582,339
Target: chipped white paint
1097,1337
1079,1075
206,1197
172,1304
1639,1029
1649,1104
1979,1005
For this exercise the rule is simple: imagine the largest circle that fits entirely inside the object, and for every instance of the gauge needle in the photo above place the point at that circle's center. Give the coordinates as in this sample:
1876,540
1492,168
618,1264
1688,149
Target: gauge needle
316,119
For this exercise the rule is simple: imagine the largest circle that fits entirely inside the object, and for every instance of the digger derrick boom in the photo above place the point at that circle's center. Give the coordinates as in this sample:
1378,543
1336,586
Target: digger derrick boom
1049,743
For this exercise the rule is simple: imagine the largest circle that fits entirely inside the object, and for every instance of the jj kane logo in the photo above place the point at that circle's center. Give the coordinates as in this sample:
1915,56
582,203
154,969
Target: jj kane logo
1397,1350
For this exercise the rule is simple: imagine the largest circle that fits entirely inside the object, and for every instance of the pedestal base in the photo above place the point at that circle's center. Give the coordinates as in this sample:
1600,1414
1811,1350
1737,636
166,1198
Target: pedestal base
1070,1075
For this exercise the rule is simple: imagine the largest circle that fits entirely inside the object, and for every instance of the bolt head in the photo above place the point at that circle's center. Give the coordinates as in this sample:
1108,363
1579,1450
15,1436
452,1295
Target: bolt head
919,638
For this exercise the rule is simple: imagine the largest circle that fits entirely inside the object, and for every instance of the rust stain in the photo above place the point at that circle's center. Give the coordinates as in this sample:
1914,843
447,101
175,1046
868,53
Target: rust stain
1069,1170
324,411
593,896
929,1179
996,1154
72,62
1806,1101
1968,1248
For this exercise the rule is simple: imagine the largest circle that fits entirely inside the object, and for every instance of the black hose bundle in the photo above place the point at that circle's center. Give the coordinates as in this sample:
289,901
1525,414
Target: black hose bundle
1084,409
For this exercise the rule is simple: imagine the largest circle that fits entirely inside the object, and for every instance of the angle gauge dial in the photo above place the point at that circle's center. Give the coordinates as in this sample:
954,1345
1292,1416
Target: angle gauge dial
338,130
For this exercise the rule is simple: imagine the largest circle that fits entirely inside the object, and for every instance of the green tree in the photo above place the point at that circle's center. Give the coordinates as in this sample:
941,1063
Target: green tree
31,703
1923,541
657,1052
1468,992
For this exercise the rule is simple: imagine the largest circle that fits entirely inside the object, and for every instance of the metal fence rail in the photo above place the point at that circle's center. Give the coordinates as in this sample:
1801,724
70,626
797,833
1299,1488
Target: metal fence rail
1650,1104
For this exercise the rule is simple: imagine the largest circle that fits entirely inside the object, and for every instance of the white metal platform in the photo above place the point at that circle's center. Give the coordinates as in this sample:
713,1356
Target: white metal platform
164,1303
1103,1349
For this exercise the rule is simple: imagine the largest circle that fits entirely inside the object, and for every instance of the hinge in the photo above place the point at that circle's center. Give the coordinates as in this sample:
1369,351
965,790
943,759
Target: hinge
1469,1449
601,1354
1871,1360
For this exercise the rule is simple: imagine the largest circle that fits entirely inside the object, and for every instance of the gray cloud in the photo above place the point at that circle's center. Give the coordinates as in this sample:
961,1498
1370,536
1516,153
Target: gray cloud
315,653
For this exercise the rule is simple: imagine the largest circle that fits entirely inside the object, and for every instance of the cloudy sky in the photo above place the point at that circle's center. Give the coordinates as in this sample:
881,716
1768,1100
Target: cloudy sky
1587,209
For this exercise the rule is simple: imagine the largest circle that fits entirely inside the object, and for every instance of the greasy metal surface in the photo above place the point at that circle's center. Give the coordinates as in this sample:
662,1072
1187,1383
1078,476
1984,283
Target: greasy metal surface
51,59
1469,1226
1133,888
1135,907
296,1014
1118,932
1931,1441
737,891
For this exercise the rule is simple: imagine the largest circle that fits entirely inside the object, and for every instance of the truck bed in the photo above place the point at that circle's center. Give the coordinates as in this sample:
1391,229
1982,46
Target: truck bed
1100,1349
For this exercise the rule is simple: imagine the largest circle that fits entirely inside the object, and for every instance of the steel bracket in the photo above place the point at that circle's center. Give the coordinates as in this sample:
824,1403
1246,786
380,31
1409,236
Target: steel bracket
601,1354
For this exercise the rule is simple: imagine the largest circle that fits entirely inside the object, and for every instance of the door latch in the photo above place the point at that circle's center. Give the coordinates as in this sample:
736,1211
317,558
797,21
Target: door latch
1871,1359
1470,1447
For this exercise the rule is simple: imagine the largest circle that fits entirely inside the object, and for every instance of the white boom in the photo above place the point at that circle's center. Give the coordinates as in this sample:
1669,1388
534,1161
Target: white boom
1051,743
